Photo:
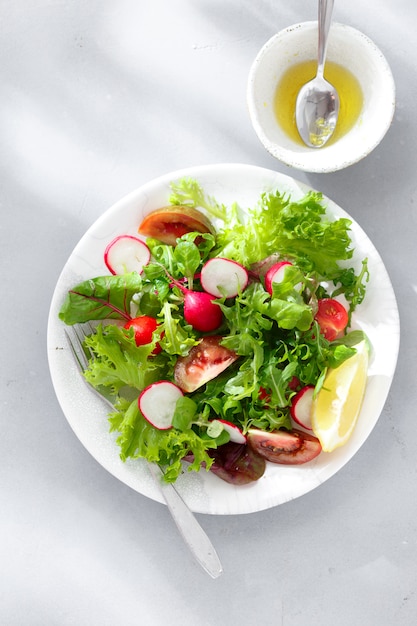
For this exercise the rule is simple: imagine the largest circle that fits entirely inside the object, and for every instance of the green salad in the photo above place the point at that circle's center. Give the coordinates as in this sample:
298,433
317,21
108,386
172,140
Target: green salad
226,319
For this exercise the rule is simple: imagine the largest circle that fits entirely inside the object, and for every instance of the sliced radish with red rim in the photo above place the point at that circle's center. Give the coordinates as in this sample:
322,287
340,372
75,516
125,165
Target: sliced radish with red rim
223,278
276,274
126,254
157,403
236,434
301,406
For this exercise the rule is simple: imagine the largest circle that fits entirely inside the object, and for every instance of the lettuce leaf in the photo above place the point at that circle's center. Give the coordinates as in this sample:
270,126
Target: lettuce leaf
299,230
118,362
255,309
296,230
104,297
124,370
137,438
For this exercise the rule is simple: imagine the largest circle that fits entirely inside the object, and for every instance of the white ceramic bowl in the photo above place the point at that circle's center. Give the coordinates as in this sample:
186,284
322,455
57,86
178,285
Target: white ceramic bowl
348,47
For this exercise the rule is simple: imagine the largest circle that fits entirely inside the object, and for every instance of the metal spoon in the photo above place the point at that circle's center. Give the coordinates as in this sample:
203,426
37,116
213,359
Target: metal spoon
317,106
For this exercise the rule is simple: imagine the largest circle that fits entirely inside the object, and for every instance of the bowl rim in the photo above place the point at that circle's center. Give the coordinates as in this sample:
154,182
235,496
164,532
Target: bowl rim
296,159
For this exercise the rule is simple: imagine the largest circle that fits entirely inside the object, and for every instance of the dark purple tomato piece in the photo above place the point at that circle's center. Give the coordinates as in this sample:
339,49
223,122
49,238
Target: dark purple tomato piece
283,447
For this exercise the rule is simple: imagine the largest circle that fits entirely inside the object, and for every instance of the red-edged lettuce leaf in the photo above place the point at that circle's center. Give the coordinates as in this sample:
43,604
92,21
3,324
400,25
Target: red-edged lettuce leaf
104,297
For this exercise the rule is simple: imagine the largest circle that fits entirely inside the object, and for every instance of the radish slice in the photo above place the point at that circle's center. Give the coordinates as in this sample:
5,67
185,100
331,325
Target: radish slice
126,254
157,403
301,407
236,435
275,274
223,277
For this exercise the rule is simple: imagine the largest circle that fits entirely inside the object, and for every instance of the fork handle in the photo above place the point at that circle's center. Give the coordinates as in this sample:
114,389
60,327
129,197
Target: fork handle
191,531
189,528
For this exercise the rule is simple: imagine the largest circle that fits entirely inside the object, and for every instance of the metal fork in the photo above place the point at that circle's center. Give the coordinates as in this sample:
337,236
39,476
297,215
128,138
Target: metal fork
190,530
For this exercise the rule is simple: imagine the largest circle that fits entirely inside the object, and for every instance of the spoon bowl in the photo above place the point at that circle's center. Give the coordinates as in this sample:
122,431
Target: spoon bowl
317,106
317,111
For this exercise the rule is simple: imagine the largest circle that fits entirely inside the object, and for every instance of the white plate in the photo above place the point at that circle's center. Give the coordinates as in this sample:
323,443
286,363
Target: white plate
204,492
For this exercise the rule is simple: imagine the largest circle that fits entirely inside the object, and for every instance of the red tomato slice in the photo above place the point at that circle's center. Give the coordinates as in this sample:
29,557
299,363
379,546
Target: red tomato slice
144,327
169,223
332,318
203,363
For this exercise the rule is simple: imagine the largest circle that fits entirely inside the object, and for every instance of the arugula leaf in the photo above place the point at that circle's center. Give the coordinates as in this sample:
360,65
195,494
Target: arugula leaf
353,286
245,381
277,379
105,297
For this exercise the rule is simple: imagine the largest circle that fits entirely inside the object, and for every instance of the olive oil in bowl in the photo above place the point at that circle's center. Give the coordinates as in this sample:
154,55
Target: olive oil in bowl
347,86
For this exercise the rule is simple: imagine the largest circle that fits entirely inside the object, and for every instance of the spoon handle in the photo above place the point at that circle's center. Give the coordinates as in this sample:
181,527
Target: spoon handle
325,18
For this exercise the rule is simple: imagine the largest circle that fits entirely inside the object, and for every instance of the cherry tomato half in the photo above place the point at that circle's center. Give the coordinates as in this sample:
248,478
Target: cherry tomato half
332,318
144,327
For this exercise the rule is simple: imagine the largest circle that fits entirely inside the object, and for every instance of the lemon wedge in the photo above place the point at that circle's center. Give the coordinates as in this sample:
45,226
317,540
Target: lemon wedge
336,407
